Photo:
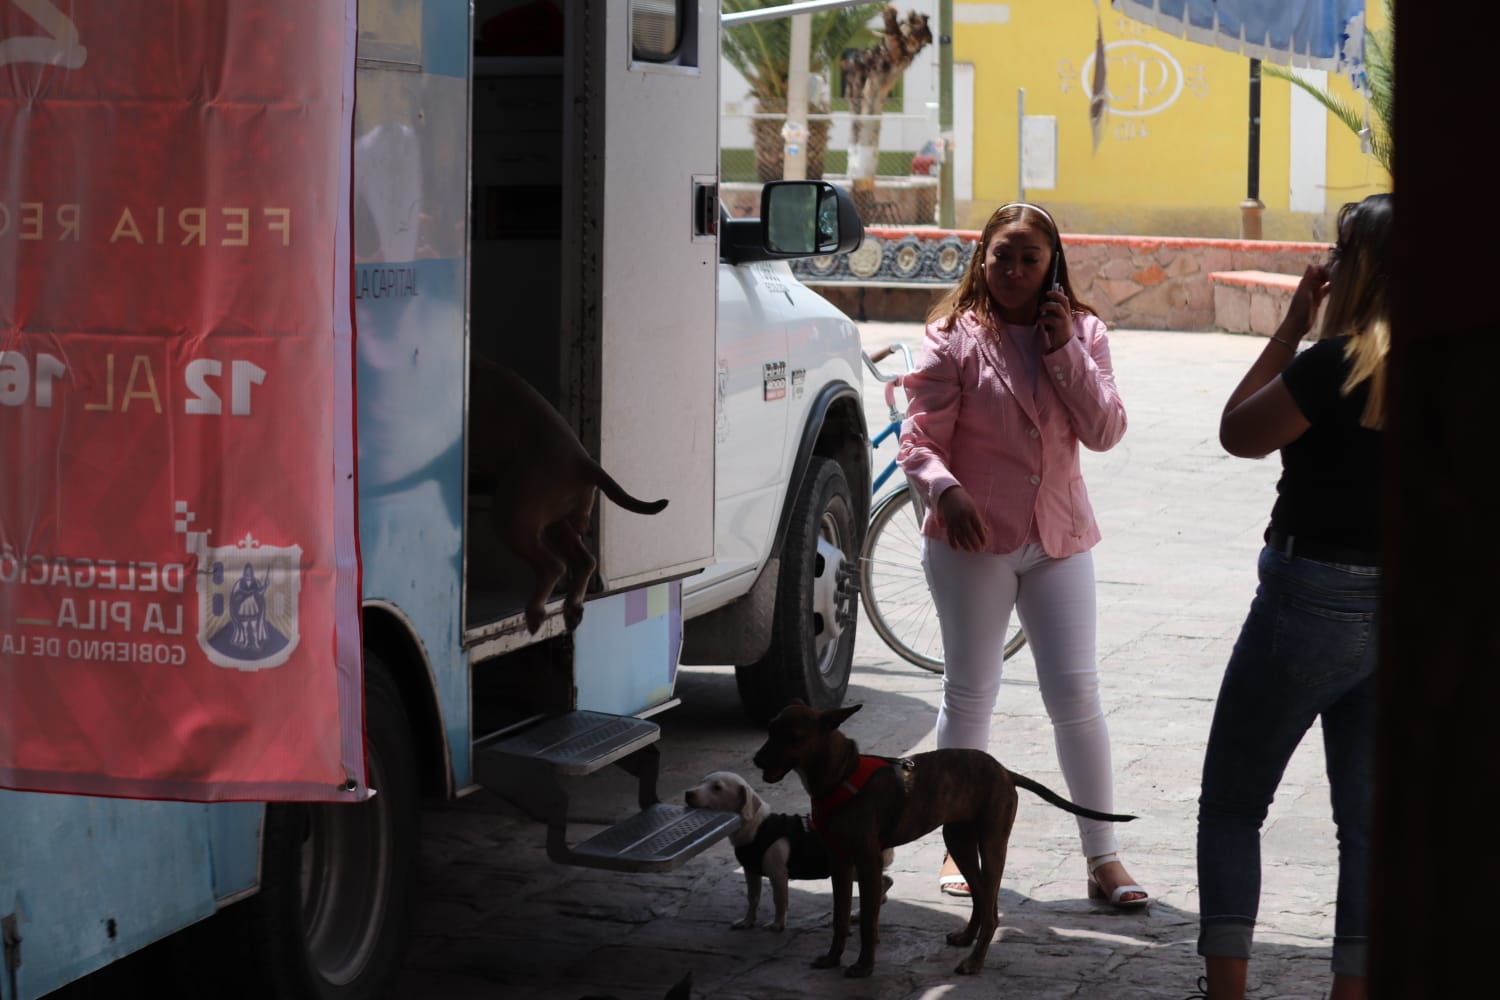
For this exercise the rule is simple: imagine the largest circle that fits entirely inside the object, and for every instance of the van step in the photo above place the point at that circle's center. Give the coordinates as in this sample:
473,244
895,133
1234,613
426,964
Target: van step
657,839
576,742
526,765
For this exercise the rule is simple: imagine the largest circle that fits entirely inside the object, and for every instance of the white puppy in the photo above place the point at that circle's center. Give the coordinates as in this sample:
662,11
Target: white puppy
777,846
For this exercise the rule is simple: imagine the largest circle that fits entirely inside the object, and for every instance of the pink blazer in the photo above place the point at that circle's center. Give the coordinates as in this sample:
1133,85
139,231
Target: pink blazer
972,419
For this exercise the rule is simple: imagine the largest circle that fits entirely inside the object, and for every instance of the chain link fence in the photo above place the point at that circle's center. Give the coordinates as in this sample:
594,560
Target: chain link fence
752,152
751,146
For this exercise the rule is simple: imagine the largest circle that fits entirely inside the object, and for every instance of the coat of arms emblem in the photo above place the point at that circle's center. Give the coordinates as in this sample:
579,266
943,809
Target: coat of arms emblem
247,603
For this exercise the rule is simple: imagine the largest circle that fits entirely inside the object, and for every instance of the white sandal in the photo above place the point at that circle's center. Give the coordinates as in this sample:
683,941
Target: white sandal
1115,897
949,884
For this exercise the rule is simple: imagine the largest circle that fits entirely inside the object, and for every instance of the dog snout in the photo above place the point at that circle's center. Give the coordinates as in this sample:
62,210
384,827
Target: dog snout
691,798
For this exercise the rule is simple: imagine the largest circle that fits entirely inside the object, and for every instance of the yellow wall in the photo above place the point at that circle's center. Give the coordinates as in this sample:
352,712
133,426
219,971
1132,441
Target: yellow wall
1179,169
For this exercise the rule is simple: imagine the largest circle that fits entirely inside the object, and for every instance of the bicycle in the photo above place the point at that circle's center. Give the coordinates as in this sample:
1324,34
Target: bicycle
892,583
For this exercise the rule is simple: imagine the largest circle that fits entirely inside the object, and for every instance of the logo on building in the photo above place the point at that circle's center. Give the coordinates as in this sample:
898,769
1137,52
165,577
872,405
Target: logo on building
1141,78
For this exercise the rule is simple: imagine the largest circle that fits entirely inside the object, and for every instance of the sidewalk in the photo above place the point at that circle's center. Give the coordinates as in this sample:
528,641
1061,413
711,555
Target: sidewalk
1181,522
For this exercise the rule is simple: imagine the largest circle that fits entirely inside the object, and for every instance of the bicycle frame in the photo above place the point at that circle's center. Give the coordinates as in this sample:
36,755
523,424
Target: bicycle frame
896,415
903,633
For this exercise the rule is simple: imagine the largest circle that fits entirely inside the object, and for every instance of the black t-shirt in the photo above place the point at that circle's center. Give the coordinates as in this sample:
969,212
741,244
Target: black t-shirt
1330,476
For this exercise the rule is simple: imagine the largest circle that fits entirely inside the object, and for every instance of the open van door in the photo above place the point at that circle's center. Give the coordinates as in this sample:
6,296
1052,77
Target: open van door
644,234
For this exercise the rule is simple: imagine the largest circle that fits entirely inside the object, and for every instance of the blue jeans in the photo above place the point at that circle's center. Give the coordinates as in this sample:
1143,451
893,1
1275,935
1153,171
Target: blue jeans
1307,649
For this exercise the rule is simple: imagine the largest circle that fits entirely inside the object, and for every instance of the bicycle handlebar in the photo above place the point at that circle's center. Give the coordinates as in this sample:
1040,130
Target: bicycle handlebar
891,381
881,355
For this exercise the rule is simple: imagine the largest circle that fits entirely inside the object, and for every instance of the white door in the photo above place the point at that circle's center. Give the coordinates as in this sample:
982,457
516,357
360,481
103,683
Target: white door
753,402
963,131
643,142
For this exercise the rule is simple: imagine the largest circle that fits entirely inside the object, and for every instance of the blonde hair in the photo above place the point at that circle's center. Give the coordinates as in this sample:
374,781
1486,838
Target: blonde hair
972,294
1359,299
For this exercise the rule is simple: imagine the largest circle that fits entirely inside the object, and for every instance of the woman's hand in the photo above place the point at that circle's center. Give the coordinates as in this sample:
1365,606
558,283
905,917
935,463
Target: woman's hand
1303,309
1056,319
963,521
1261,415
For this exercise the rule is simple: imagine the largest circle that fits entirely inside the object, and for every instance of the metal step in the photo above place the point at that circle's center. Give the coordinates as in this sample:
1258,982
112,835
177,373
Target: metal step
526,766
657,839
574,743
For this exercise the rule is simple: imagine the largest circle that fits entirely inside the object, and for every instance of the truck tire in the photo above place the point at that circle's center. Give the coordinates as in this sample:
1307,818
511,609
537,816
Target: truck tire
331,917
812,633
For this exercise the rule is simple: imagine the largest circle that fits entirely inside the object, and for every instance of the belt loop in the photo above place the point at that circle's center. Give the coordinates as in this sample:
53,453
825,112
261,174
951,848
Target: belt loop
1280,542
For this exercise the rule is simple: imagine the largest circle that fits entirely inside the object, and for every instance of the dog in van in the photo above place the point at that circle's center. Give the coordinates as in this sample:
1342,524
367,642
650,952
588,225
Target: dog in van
544,484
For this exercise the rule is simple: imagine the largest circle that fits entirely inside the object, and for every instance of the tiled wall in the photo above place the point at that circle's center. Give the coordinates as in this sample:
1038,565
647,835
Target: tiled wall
1133,282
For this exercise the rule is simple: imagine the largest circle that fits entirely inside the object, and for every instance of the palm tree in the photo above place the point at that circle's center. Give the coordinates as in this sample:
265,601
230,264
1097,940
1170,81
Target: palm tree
1380,64
761,52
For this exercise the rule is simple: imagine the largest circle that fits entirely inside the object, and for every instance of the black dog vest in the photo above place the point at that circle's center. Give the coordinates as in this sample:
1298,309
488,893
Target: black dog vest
808,858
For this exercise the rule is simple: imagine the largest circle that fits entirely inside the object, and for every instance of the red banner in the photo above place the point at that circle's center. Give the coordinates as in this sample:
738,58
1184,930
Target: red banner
179,574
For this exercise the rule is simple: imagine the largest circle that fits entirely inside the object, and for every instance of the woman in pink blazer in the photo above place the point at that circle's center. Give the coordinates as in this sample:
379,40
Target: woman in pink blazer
1014,375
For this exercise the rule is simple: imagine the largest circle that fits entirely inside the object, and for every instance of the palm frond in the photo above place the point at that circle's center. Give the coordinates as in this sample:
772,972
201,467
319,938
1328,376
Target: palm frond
761,51
1380,64
1380,69
1344,111
835,31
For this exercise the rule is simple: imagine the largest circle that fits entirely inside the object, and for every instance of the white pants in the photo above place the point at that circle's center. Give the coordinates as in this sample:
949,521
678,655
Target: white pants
974,594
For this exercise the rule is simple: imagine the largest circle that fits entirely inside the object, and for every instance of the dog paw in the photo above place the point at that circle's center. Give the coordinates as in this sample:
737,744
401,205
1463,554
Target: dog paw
572,615
859,970
969,967
961,939
826,962
741,925
535,615
776,925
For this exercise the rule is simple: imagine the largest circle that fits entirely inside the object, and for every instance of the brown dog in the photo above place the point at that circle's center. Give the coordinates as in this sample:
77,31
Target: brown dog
544,484
864,805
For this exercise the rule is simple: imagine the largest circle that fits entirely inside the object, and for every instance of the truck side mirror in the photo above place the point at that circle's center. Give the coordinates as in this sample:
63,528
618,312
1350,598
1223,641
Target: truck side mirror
797,219
805,217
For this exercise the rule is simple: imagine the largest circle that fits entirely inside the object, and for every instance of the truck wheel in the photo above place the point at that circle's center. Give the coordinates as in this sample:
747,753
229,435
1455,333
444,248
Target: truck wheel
333,910
812,633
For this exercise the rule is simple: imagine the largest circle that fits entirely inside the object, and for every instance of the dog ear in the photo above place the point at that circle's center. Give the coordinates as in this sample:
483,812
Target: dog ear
835,718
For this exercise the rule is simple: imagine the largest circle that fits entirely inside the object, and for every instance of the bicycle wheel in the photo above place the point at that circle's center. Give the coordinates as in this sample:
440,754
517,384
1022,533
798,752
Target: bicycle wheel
893,586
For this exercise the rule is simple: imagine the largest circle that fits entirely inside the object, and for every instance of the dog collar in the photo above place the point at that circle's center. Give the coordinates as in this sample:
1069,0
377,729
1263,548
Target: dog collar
822,805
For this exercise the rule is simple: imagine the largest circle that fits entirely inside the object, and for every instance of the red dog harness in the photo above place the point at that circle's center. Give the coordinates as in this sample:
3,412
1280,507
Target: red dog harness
824,805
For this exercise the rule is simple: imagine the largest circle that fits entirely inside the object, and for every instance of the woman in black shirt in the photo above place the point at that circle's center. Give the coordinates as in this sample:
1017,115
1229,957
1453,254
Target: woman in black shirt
1308,647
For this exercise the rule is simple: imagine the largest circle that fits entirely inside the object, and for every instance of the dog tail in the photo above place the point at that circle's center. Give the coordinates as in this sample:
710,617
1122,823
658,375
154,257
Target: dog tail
1038,788
617,493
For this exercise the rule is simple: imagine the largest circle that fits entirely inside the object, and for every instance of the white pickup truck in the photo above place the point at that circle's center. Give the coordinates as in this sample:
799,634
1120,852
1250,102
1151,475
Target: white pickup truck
792,474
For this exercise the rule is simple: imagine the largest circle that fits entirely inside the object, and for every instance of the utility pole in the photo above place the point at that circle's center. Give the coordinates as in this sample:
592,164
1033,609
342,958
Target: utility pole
945,114
794,133
1252,208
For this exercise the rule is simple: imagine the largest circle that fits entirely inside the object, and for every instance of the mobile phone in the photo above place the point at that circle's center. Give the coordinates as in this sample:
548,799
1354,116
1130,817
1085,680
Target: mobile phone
1056,262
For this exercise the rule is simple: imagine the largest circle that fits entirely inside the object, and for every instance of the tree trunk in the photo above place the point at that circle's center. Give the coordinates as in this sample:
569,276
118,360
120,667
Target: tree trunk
864,142
869,75
770,147
768,141
817,145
